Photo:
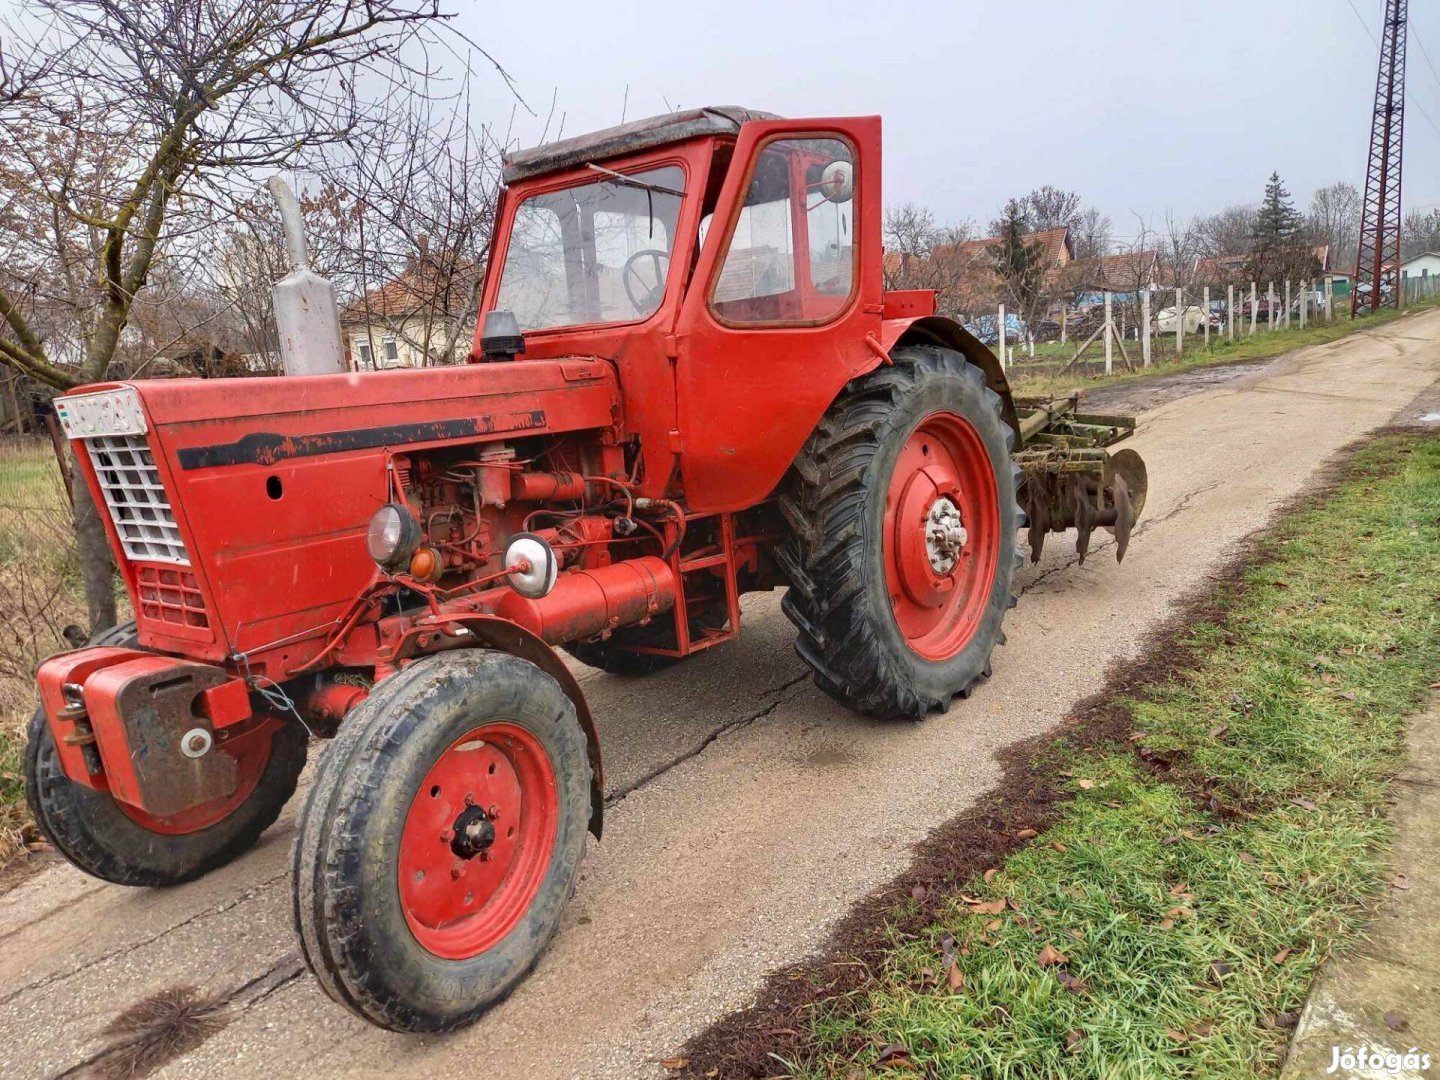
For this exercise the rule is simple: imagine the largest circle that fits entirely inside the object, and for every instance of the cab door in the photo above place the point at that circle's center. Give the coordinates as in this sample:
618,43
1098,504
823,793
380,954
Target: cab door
784,306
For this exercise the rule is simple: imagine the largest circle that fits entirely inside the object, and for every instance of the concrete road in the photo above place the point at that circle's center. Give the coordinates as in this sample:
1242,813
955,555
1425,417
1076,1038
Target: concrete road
747,809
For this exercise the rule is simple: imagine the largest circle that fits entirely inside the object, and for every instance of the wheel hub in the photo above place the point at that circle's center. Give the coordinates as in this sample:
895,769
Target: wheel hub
945,535
474,833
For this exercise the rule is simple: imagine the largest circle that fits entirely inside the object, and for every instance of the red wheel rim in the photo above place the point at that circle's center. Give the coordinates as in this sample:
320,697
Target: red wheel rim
478,839
251,751
941,535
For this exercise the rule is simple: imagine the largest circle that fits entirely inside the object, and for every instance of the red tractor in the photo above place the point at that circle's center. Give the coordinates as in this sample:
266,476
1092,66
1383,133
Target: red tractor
689,383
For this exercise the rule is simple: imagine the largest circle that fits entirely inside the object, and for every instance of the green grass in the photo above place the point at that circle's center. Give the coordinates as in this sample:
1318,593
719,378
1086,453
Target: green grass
1041,376
27,477
40,591
1260,850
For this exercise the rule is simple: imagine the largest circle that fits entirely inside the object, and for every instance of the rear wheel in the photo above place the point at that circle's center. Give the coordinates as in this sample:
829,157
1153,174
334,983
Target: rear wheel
441,840
120,843
902,545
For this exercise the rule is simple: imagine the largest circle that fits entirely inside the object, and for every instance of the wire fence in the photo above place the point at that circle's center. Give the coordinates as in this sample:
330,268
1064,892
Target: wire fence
40,587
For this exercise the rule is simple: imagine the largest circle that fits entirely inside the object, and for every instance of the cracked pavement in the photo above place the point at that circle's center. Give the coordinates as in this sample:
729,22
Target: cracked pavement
746,810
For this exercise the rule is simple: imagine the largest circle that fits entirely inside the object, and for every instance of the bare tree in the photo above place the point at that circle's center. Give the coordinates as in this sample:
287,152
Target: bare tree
1019,264
1419,233
920,253
424,188
1179,249
138,125
1090,234
1227,233
1335,221
1049,207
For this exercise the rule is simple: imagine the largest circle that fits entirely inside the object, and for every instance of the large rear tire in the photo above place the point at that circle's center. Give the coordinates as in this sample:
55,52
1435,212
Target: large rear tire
902,536
123,845
442,840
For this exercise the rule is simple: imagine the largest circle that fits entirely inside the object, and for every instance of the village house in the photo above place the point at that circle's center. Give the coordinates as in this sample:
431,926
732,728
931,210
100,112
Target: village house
422,317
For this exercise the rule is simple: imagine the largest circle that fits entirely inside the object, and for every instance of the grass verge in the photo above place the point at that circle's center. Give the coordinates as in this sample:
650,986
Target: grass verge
1041,376
1149,892
40,592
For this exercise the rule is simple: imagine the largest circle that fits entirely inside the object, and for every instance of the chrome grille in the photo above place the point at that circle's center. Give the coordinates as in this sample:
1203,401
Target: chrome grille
136,498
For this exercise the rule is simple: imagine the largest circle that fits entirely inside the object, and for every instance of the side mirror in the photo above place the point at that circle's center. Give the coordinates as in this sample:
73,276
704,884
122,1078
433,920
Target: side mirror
837,181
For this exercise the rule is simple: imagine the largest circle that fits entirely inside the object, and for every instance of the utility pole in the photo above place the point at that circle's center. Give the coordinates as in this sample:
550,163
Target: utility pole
1380,214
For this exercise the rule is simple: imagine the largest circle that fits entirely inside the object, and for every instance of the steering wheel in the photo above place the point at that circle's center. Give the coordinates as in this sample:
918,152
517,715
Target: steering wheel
649,299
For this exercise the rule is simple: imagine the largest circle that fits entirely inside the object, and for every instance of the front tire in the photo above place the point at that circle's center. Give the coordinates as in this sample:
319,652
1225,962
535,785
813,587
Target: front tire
902,544
125,846
441,840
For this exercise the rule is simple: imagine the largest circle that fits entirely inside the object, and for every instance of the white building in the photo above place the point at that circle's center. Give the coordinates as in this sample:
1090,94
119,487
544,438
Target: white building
1424,265
422,317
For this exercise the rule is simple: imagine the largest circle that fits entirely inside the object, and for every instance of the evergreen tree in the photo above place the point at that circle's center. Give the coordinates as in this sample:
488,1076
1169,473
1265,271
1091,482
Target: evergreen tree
1280,246
1018,261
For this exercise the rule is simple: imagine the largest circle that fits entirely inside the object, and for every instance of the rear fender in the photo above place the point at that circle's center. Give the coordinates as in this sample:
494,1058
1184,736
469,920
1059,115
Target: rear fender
483,631
938,330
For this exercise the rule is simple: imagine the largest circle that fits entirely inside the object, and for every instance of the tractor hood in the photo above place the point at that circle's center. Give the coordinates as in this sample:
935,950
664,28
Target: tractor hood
229,493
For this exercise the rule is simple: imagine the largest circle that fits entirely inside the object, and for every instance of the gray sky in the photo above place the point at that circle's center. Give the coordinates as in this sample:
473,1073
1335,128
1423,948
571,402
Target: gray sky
1184,108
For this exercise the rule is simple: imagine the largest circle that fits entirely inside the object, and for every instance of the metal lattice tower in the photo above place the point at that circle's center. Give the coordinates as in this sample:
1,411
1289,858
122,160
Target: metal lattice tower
1380,217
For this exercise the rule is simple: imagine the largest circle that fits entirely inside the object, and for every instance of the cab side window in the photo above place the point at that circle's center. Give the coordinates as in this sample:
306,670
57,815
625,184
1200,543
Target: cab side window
791,255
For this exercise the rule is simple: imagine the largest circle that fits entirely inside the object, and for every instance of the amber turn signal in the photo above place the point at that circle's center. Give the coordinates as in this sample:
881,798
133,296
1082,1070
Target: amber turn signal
426,564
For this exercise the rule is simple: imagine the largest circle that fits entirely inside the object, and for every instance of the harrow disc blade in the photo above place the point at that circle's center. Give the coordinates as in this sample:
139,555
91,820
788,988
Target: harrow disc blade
1130,466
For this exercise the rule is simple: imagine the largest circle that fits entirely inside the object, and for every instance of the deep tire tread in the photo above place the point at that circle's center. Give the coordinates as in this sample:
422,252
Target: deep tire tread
824,506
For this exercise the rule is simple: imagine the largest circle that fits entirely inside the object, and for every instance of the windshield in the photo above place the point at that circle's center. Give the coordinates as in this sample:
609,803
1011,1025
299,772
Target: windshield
593,253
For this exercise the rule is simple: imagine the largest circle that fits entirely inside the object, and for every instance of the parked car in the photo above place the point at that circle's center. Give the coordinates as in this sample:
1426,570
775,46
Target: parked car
983,328
1194,316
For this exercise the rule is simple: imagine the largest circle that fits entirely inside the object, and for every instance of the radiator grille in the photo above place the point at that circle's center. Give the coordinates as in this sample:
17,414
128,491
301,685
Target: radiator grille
136,499
171,596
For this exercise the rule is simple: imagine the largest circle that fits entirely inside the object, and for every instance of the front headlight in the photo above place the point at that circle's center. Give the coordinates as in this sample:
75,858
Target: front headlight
392,537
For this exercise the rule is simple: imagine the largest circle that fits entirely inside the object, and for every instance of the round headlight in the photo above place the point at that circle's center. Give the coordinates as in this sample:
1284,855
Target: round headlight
392,537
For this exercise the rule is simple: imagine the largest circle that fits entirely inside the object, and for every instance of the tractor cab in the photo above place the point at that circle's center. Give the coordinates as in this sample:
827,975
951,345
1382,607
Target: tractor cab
600,249
725,260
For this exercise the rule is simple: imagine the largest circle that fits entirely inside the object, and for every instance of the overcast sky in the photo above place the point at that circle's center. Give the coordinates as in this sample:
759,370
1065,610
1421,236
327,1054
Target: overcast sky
1147,109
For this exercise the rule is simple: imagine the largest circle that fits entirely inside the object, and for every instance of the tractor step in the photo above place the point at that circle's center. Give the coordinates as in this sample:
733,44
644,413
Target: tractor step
685,567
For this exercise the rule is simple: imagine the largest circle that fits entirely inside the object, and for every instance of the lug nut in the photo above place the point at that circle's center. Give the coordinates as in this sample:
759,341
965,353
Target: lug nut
493,812
457,870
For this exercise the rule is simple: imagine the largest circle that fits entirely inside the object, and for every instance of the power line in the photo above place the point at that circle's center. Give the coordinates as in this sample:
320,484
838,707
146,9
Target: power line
1373,39
1425,53
1409,97
1434,74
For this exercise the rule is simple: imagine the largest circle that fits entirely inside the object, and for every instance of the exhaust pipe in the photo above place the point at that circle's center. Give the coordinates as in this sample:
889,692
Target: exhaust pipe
306,312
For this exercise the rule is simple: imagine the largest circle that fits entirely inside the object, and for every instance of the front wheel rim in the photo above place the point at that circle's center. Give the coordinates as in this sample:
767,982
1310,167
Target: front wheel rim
478,840
251,751
941,536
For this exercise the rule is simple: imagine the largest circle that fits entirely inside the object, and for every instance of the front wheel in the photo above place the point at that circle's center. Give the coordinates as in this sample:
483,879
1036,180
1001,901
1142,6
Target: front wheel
441,840
116,842
902,541
123,844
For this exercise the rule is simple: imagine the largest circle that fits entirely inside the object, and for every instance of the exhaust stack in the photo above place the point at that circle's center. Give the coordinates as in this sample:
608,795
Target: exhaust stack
306,313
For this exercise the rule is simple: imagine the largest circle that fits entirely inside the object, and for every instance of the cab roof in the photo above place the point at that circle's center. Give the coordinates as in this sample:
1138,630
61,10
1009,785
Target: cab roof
628,138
